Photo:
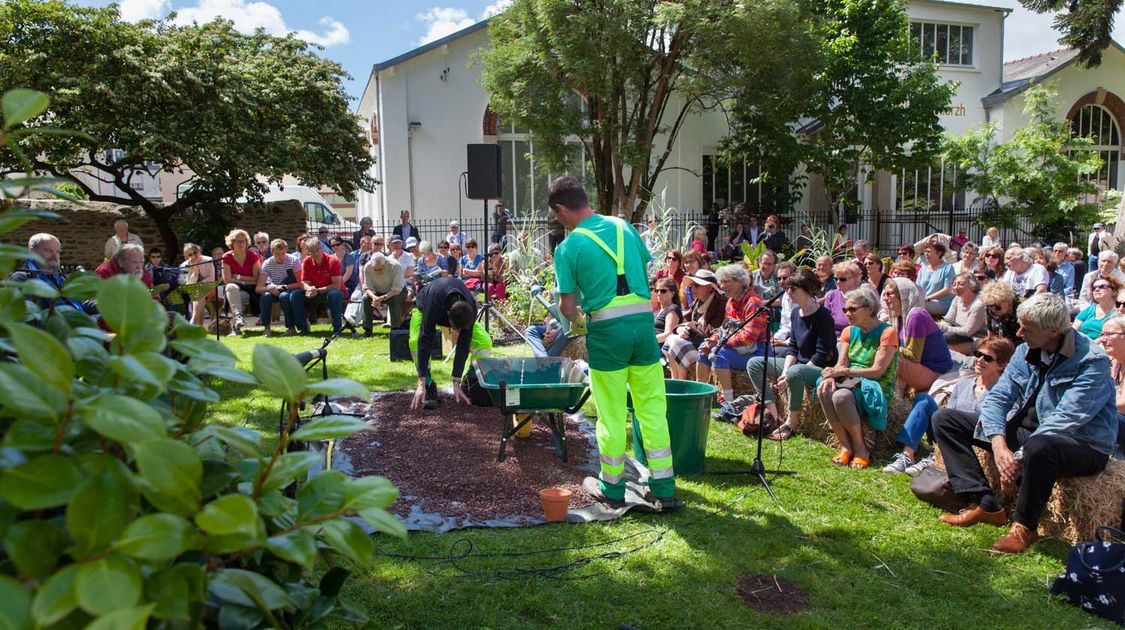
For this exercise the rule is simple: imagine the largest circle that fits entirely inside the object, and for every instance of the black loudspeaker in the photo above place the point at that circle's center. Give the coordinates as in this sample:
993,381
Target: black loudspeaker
484,171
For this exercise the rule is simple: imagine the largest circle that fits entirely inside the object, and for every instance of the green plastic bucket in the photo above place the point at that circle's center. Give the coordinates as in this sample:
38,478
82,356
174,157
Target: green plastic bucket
689,418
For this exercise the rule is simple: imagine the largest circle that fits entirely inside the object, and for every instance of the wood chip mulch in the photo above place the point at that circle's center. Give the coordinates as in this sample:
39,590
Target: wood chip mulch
444,460
771,595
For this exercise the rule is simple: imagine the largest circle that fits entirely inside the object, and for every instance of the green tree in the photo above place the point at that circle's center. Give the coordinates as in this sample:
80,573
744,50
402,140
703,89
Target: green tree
226,106
861,98
620,76
1085,24
1041,173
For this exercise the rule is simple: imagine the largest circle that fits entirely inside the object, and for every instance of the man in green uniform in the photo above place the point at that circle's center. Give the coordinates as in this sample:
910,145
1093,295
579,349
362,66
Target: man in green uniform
603,266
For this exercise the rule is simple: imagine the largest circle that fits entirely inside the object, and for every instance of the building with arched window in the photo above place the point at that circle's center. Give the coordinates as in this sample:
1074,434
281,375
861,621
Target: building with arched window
425,106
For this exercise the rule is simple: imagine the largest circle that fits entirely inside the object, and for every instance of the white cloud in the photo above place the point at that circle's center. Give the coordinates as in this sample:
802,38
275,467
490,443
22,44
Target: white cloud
495,8
442,21
249,16
136,10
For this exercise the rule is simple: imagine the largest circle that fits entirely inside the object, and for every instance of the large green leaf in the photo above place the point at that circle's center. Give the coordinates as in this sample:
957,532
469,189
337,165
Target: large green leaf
261,591
126,305
223,372
157,537
330,428
174,589
34,546
230,514
123,419
187,384
173,470
383,521
340,387
133,618
108,583
31,435
242,439
44,482
279,372
15,603
20,105
322,495
205,350
56,598
368,492
26,395
348,539
44,355
297,546
288,467
147,368
99,511
81,286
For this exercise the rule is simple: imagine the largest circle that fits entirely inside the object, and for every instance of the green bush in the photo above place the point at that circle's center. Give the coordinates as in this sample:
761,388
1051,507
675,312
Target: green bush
120,506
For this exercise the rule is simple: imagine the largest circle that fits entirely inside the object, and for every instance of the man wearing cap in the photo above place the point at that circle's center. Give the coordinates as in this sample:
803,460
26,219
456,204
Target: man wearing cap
602,265
455,236
1097,242
405,229
364,230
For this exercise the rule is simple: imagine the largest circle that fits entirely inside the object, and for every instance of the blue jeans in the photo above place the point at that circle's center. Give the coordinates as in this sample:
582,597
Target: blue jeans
535,336
284,298
918,422
335,300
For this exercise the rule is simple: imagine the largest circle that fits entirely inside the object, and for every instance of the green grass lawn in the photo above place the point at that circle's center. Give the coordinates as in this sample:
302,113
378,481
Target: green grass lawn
866,552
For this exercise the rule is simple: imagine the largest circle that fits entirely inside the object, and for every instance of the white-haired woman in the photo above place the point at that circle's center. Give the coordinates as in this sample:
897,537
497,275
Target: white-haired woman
861,383
923,353
1112,338
429,262
742,302
966,320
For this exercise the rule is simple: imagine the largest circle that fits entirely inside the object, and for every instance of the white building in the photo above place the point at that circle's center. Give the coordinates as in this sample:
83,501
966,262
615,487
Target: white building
424,106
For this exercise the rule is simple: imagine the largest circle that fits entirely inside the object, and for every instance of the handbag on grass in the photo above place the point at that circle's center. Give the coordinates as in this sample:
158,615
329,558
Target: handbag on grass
932,486
1095,575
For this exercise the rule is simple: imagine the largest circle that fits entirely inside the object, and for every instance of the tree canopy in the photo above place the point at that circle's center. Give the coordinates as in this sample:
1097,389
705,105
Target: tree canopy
1085,24
230,107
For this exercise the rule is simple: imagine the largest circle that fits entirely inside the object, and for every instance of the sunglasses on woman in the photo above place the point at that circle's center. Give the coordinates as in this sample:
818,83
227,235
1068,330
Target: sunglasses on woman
987,358
873,263
852,309
1100,285
664,290
992,255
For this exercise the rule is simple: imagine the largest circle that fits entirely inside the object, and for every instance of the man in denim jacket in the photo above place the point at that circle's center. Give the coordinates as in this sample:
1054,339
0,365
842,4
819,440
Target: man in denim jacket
1054,406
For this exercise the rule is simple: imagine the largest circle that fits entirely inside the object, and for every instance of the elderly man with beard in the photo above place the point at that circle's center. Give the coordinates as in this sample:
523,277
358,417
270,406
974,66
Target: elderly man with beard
48,248
129,260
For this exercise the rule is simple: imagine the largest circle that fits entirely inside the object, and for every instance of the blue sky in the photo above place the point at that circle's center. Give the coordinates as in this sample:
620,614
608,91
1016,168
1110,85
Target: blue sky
360,34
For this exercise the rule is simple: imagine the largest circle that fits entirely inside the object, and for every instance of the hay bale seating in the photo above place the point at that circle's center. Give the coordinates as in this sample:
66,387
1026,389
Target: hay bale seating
815,426
1078,505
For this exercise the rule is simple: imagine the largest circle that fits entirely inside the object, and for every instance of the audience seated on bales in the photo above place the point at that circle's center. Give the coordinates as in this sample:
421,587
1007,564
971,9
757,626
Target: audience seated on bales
705,314
48,248
471,271
668,313
129,260
451,262
812,347
198,268
784,328
1000,304
1089,320
1025,276
935,279
1107,267
742,302
1065,423
904,270
990,359
1112,338
923,353
966,320
847,279
278,283
240,277
861,384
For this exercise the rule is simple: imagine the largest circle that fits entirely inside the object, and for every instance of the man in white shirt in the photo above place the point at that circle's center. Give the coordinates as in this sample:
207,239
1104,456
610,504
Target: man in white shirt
1025,276
121,236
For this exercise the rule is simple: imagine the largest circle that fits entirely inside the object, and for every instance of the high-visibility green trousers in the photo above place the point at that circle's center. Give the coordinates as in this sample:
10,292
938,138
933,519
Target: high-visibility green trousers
623,351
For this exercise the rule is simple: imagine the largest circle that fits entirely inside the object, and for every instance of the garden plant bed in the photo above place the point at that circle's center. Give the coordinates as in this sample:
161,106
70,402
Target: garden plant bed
444,461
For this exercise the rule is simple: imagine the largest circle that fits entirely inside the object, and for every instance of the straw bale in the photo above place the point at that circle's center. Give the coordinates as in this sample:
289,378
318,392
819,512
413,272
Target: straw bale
575,349
815,426
1079,505
987,464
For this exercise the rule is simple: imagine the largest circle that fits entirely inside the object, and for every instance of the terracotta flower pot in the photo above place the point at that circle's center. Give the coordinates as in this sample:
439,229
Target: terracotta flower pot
556,502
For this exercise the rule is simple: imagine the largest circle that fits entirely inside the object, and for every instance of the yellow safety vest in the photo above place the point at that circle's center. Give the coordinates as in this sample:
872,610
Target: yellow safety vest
626,302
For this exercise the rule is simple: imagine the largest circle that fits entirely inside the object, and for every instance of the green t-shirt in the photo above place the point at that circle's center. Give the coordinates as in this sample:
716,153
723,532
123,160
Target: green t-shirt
583,267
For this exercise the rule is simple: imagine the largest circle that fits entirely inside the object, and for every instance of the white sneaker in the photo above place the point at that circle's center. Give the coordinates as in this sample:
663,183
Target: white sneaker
899,464
239,323
922,464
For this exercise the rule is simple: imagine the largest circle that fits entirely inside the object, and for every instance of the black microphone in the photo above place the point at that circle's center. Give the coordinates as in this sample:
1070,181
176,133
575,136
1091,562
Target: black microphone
304,358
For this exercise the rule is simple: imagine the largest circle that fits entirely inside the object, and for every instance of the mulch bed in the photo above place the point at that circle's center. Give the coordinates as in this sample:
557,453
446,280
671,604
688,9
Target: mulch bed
444,461
771,595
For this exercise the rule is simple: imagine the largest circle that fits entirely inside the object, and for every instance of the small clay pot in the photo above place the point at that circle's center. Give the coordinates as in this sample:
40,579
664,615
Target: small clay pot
556,502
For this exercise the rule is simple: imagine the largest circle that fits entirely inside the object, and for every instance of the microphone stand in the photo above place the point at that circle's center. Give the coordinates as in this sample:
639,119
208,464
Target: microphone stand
757,468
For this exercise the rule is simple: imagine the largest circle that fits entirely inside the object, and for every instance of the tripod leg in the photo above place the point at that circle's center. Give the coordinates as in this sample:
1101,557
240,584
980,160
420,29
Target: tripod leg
765,483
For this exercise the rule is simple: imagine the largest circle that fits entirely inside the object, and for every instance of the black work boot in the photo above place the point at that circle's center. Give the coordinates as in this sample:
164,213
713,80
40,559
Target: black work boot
431,396
593,488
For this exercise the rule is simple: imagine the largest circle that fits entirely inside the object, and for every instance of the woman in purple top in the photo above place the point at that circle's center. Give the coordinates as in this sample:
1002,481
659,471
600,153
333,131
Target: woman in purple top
847,276
923,353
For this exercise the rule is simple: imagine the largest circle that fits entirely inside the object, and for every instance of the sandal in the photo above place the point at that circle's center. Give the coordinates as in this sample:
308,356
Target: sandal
842,458
859,463
784,432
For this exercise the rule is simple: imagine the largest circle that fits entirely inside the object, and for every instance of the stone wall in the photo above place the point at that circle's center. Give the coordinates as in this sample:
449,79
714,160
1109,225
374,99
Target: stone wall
84,227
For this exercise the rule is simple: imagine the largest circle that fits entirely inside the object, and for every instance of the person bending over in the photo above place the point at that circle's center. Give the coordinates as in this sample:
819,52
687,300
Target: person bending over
1065,424
443,302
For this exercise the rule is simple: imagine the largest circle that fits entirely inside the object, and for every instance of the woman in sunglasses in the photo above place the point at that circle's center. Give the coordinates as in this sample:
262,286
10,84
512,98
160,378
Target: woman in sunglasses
991,357
861,383
673,267
1090,320
993,259
668,313
875,276
1112,338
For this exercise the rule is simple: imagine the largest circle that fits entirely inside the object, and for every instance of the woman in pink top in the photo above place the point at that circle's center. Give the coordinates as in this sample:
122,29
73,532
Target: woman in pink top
240,276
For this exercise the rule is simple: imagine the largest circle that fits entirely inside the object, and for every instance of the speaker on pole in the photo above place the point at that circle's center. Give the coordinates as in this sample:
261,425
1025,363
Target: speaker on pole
483,161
